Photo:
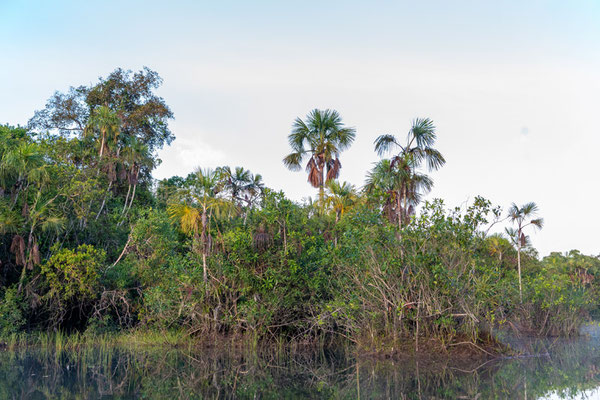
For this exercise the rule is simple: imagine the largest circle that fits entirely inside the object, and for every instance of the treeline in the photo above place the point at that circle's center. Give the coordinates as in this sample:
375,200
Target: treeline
90,242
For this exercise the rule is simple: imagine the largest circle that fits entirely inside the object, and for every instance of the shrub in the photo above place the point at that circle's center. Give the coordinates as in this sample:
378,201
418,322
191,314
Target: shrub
12,309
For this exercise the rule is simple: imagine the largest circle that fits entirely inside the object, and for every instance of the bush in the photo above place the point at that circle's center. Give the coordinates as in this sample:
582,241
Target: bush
12,307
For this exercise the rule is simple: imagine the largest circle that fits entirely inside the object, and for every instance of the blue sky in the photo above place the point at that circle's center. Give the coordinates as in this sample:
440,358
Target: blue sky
513,86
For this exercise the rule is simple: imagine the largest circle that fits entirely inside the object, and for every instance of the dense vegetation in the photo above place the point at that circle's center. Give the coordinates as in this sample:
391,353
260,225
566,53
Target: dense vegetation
91,243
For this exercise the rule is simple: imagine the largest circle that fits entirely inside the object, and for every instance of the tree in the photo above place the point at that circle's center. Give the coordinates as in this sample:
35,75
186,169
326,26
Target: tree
243,186
498,246
104,122
143,115
522,217
322,137
136,157
119,111
197,204
398,187
402,168
340,197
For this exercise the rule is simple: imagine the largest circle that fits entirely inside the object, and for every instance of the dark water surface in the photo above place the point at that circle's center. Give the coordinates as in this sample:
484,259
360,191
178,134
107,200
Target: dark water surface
563,369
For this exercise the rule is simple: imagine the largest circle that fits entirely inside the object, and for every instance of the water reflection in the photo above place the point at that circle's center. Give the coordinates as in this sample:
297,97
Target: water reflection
565,369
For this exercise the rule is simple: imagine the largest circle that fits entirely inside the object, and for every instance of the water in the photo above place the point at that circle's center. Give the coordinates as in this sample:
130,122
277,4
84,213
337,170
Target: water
561,369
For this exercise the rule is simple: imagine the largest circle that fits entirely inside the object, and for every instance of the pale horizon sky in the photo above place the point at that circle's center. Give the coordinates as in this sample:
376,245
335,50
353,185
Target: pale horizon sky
513,87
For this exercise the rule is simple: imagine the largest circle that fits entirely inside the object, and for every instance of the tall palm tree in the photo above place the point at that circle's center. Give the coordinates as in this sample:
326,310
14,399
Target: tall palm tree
522,217
399,187
197,204
321,138
402,167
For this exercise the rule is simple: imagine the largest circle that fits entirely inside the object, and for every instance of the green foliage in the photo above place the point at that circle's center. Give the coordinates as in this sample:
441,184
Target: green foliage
74,274
89,241
12,312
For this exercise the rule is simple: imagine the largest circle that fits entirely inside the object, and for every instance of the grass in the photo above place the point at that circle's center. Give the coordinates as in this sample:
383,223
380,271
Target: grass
60,340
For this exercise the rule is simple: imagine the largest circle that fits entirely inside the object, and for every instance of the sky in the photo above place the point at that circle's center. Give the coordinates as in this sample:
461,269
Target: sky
513,87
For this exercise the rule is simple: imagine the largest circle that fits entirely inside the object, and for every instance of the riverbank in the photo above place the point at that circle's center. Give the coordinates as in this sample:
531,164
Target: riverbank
428,348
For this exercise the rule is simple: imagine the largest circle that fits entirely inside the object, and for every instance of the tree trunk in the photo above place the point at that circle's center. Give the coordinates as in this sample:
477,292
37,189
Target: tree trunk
322,190
126,198
284,239
399,209
204,247
519,268
101,147
29,245
204,268
132,196
104,200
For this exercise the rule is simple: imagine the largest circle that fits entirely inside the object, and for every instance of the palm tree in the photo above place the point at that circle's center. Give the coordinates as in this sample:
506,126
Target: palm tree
321,137
24,170
340,197
107,123
399,187
522,217
21,166
196,206
136,156
498,246
242,185
403,181
234,181
418,147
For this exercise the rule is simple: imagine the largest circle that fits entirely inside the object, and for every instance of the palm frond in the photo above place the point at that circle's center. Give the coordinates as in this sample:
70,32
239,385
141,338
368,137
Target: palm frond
383,144
292,161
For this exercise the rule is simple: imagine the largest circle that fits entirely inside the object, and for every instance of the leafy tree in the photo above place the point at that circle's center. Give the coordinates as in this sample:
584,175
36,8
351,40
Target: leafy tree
127,120
130,95
73,277
321,138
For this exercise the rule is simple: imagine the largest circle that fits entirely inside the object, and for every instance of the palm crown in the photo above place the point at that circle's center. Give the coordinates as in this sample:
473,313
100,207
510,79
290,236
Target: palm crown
397,180
321,138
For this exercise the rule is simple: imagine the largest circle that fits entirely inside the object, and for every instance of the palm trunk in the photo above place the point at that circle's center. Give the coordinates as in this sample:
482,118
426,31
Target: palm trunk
126,198
284,239
519,269
337,218
204,247
205,269
23,271
101,147
100,156
132,196
133,193
322,190
399,208
104,200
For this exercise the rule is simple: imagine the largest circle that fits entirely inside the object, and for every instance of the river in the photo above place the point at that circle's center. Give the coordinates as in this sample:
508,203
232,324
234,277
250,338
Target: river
549,369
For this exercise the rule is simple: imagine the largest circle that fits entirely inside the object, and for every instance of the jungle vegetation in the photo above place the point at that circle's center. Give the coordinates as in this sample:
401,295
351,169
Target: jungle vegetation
90,242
